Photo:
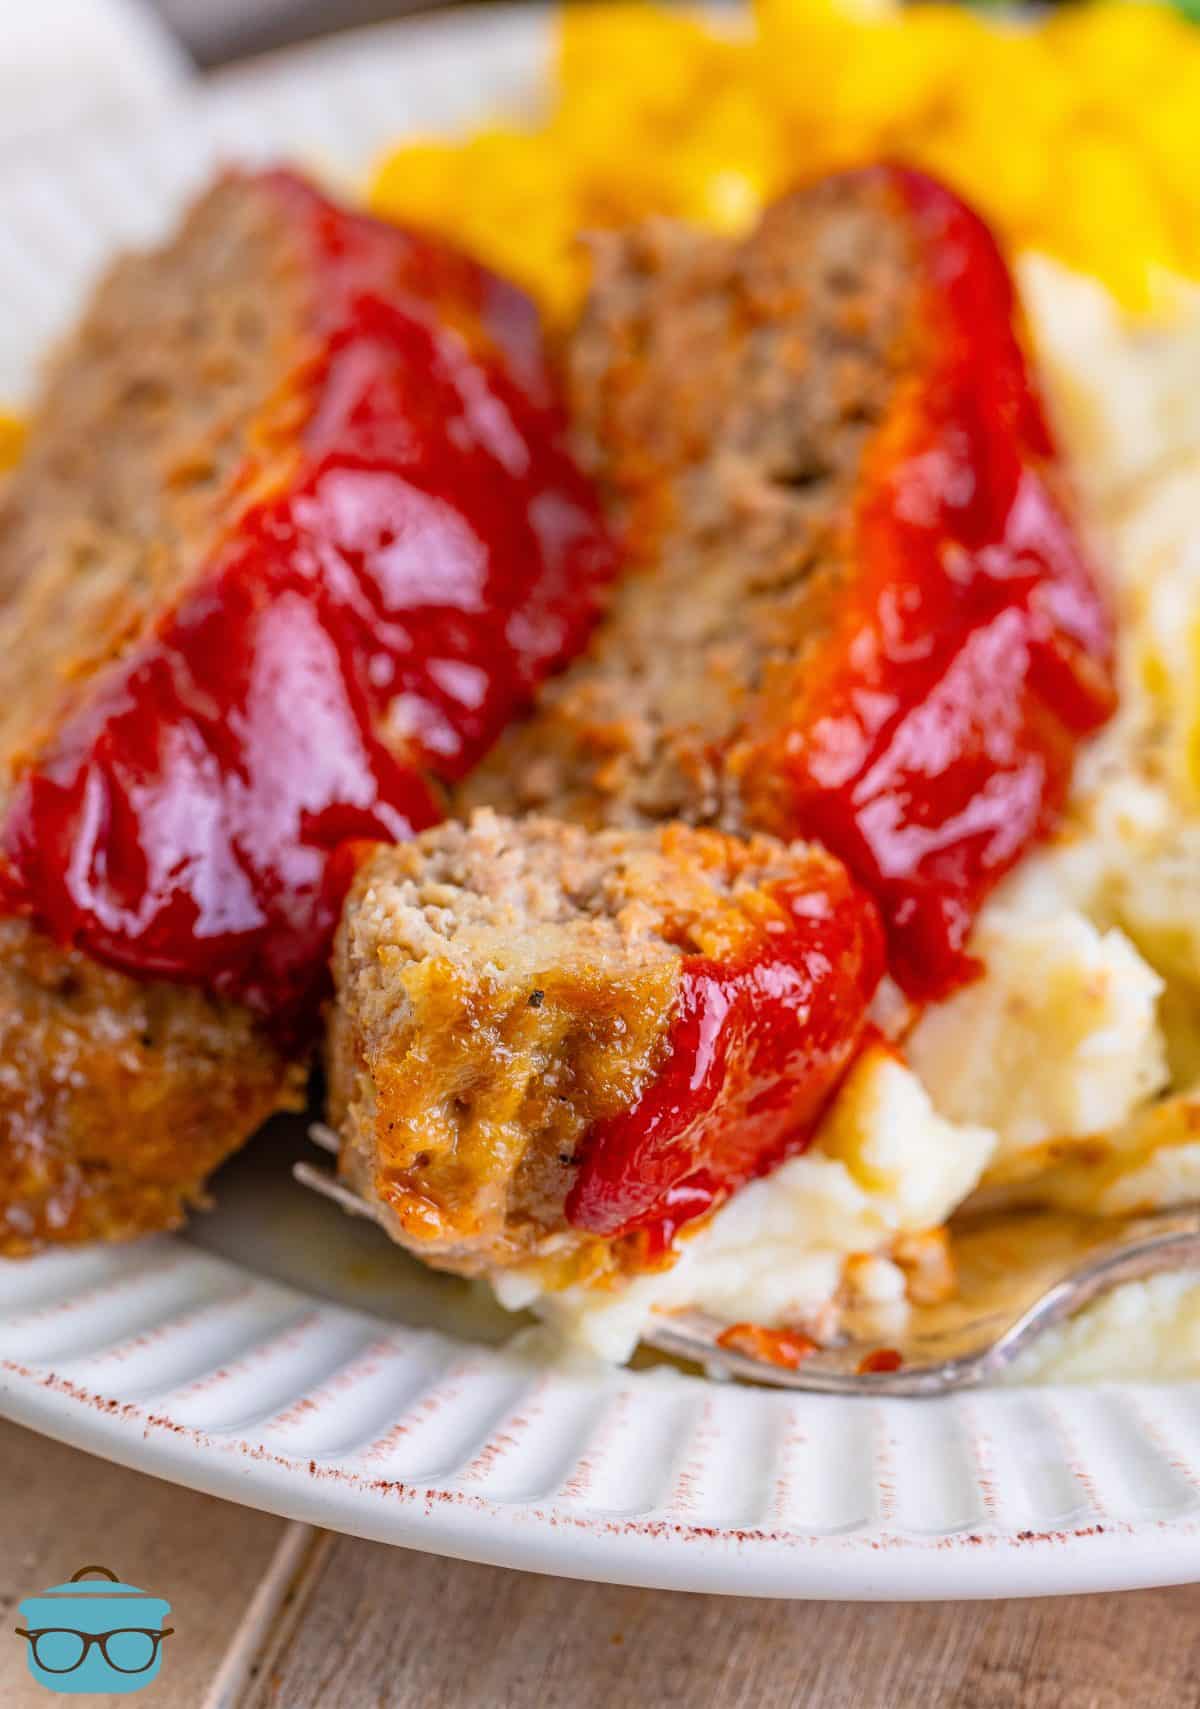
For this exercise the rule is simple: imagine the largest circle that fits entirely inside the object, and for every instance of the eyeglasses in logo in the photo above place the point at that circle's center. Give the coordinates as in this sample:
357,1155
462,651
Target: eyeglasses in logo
85,1636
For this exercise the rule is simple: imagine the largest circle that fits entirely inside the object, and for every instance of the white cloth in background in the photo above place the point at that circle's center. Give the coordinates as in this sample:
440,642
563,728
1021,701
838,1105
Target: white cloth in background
67,61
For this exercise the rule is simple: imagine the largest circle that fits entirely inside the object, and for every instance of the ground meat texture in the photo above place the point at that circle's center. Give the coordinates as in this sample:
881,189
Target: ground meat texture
553,1046
118,1096
295,531
858,612
724,394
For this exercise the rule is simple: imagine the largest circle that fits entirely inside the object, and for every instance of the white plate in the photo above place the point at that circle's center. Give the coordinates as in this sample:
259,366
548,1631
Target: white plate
284,1356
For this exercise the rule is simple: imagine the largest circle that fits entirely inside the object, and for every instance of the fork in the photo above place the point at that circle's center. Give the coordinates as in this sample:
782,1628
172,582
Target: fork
957,1346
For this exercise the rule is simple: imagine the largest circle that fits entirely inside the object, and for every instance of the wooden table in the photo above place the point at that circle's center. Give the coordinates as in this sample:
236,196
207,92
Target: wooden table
271,1615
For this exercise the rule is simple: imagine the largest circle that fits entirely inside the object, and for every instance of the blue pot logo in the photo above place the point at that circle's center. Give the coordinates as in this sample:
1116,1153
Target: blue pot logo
94,1635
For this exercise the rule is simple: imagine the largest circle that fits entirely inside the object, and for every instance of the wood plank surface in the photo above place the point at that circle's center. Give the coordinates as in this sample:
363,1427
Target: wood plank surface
62,1510
272,1616
385,1629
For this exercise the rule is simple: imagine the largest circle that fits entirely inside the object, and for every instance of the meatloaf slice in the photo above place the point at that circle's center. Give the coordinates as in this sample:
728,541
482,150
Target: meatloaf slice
724,395
858,611
553,1045
118,1096
294,533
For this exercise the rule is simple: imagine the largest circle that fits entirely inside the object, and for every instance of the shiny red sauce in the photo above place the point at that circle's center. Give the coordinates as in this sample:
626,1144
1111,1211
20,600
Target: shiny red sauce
932,740
929,744
882,1359
755,1047
367,629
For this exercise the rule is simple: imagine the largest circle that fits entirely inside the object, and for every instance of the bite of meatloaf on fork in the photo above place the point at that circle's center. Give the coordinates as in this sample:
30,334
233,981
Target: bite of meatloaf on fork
553,1046
857,614
295,531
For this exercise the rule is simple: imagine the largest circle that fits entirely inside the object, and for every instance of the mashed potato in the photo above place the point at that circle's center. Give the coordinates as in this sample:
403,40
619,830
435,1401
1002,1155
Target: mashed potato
1058,1041
1145,1332
885,1165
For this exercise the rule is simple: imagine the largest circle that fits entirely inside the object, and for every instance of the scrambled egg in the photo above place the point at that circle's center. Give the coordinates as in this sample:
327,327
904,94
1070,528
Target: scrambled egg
656,111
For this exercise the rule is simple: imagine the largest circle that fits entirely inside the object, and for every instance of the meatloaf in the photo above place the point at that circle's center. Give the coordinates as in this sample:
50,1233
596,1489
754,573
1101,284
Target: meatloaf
553,1045
294,533
118,1096
858,610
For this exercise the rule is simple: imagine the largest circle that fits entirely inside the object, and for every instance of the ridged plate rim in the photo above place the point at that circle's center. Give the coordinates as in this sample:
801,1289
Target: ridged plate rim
192,1368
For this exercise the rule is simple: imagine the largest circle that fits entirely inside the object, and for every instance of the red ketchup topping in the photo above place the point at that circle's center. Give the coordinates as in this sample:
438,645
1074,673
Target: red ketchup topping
928,745
931,741
756,1045
433,555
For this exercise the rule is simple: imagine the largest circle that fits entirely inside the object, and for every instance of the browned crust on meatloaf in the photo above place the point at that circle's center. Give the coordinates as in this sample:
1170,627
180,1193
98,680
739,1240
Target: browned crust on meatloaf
501,987
176,376
118,1097
725,393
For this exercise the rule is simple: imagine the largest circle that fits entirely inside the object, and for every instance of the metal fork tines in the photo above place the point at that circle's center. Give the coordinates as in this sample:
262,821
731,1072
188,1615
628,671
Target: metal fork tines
1021,1274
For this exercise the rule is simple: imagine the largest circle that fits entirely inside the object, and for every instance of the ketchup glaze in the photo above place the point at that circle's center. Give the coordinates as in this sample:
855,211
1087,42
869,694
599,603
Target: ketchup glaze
755,1046
930,741
362,630
928,744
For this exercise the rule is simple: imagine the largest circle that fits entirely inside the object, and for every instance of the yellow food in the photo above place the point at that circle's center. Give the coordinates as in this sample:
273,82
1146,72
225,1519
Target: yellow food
12,439
1076,137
